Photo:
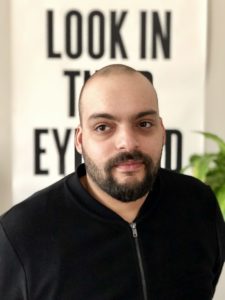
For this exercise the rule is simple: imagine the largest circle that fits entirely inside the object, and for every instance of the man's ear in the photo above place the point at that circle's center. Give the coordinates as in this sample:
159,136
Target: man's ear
78,139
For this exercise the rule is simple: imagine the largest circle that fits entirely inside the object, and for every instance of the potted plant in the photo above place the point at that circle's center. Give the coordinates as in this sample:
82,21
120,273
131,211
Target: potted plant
210,168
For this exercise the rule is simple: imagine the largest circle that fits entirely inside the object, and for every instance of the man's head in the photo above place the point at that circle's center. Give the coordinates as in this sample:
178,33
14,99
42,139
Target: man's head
121,134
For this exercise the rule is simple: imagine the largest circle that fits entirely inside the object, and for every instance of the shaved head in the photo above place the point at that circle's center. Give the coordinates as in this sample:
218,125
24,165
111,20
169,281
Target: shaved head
114,69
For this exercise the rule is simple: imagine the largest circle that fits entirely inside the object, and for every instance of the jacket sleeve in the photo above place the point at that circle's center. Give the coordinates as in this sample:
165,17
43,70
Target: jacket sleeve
12,275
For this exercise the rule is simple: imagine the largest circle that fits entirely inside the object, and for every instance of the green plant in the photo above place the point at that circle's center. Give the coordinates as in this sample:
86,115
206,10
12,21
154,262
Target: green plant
210,168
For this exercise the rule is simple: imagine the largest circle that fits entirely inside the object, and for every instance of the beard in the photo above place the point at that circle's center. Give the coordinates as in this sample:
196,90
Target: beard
128,191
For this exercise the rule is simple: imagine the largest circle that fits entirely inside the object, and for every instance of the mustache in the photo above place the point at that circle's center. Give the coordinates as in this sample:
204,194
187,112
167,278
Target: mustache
127,156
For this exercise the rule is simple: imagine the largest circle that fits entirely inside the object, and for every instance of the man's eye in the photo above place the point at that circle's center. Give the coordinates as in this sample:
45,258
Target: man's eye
102,128
145,124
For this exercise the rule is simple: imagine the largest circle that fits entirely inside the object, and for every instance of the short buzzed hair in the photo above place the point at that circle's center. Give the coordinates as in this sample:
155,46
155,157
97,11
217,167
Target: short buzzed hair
110,69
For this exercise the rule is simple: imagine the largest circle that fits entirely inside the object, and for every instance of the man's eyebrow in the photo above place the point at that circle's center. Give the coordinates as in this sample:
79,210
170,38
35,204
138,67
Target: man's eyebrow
101,116
146,113
111,117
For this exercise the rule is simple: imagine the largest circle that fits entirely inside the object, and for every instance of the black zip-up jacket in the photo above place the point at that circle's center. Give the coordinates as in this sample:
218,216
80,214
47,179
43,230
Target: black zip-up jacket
61,244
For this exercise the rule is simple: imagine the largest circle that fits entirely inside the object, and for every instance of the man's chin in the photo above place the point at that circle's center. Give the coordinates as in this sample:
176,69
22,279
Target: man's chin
129,177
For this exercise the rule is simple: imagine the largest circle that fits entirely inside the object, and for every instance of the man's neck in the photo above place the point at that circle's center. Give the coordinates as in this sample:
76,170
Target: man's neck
126,210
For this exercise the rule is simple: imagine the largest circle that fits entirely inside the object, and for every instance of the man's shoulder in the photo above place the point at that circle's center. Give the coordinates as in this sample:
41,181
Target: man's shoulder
37,207
180,180
187,192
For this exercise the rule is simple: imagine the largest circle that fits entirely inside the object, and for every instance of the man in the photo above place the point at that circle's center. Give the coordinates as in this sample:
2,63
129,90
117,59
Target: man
120,227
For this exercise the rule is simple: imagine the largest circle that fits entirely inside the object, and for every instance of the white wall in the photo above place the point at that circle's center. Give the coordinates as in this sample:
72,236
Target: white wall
215,88
5,112
215,96
215,80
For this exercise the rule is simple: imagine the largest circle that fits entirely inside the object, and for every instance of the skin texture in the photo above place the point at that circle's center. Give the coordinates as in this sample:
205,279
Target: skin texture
119,115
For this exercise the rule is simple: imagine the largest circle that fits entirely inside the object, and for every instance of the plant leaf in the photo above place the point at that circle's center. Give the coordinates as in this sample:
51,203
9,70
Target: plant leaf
201,164
215,138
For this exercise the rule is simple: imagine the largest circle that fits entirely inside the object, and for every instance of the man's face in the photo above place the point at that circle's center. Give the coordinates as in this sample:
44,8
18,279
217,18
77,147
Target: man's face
121,136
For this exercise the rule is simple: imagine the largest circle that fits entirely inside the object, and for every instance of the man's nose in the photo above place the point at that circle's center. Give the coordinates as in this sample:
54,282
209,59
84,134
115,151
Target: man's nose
127,139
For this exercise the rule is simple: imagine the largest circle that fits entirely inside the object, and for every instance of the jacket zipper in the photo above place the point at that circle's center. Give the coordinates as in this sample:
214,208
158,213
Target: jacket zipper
140,261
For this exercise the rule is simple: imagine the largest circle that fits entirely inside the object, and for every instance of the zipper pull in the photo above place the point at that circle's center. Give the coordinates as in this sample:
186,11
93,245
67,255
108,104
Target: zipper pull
134,230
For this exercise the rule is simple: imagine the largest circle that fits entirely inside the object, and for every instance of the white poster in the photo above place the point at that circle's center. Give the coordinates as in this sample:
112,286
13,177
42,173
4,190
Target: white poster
56,45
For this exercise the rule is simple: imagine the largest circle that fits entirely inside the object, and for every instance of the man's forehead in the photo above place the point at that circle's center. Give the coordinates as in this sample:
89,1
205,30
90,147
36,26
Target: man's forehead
103,90
119,112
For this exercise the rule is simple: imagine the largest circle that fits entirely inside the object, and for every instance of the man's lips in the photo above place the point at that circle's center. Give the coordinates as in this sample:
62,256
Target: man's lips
129,165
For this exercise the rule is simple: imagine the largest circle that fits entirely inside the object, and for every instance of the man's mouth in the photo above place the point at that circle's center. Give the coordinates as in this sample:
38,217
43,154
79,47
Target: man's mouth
129,165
